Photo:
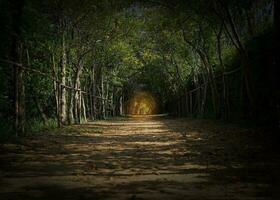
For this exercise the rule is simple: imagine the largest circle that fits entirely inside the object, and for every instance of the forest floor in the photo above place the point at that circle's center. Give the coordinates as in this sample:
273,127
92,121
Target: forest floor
142,158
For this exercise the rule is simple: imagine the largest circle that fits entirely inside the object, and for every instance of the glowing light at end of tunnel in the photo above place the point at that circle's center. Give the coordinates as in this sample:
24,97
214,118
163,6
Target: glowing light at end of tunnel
142,103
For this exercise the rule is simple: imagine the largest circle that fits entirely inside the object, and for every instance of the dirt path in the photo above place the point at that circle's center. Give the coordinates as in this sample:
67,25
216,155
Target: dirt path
141,158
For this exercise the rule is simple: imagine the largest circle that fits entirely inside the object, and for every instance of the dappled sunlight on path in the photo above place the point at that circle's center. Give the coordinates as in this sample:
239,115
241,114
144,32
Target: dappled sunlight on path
138,158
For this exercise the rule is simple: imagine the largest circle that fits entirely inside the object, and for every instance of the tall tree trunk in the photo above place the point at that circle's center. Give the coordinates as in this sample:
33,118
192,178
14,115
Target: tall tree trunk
70,105
90,104
63,116
113,103
77,107
77,94
225,98
98,92
93,92
107,102
20,97
204,93
84,110
16,8
187,103
203,103
80,104
213,86
56,90
103,106
121,104
244,57
191,104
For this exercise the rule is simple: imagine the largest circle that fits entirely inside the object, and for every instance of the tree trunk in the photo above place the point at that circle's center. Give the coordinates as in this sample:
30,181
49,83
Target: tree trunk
90,102
77,94
93,92
121,105
213,86
204,91
107,102
191,104
113,103
244,57
70,106
63,82
18,96
56,90
84,110
187,104
225,98
103,106
77,103
203,103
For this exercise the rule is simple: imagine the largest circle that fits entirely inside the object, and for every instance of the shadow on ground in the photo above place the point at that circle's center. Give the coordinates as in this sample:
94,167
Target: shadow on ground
142,158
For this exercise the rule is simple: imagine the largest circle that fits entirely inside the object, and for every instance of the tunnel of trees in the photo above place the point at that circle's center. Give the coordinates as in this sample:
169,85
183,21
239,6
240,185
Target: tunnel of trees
139,99
67,62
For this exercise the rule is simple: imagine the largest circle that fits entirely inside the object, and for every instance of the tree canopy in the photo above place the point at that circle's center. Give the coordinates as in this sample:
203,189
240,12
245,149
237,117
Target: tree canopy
198,58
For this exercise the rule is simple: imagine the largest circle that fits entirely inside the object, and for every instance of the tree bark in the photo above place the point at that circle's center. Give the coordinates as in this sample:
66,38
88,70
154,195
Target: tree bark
20,98
70,106
121,104
77,99
84,110
56,90
63,117
93,92
103,106
213,86
16,9
224,80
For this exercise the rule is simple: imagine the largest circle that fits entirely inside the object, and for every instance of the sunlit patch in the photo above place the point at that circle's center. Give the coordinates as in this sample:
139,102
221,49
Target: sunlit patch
142,103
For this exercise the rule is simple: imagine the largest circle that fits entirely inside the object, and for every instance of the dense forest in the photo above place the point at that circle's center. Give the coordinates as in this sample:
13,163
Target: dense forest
139,99
65,62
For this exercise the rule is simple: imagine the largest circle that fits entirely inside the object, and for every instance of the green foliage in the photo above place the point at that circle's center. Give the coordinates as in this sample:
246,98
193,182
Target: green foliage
157,46
37,126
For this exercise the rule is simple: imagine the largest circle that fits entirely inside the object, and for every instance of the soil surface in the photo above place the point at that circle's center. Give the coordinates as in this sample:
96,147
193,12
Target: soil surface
142,158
